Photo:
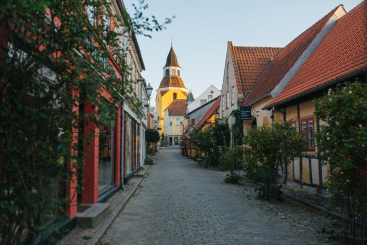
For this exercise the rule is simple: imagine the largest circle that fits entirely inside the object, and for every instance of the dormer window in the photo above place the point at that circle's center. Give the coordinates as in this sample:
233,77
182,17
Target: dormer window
174,96
167,72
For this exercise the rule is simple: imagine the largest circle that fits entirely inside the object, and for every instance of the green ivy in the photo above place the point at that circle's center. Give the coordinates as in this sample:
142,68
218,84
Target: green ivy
49,66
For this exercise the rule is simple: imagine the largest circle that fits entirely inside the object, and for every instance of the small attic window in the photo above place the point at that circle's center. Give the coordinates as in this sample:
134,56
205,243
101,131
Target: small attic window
174,96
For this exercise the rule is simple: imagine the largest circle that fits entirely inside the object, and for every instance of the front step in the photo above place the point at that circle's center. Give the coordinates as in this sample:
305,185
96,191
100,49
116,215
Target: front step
91,217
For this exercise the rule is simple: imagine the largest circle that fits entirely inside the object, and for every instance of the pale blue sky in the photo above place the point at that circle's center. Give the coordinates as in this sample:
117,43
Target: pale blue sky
202,29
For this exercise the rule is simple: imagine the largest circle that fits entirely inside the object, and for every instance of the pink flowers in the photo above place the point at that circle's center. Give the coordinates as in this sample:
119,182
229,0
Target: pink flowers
360,125
331,99
327,151
196,140
198,143
212,140
328,138
322,153
328,158
212,133
327,133
336,122
362,145
341,173
350,91
328,93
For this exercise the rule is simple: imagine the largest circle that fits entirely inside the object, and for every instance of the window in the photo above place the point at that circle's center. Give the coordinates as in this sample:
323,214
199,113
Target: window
192,121
227,100
308,127
178,121
233,95
106,27
178,72
210,97
167,72
227,71
174,96
170,122
202,102
294,125
173,72
223,103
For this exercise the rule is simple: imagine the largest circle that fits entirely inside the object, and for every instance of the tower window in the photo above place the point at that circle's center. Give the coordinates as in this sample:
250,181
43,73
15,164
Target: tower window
178,72
174,96
173,72
167,72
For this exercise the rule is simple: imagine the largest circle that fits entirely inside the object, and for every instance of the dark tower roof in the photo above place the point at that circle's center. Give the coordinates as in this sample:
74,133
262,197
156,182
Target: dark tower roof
172,58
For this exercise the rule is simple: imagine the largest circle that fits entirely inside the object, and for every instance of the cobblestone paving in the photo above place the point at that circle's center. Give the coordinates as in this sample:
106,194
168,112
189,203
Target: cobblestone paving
182,203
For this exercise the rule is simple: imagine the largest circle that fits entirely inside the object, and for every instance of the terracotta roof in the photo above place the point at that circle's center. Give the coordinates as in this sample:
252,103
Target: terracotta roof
172,82
209,113
285,60
171,59
177,108
163,92
249,62
343,51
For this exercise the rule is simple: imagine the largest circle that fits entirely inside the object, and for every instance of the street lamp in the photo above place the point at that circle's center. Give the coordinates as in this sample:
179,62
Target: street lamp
149,90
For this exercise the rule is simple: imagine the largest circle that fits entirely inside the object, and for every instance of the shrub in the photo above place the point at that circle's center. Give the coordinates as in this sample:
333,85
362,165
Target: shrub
269,148
148,161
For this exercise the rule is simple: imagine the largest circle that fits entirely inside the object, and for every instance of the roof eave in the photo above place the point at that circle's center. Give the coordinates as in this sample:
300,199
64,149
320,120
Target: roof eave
315,89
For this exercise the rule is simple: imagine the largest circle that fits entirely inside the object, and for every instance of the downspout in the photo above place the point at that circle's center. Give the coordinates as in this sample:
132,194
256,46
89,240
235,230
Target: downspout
122,144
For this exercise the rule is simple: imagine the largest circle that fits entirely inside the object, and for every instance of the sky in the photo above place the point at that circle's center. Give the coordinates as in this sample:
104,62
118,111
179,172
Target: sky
201,30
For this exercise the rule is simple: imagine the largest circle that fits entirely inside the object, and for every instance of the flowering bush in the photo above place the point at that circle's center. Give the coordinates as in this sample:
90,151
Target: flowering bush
270,147
343,137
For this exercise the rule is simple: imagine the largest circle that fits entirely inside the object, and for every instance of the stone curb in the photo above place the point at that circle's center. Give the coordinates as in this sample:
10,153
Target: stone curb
98,235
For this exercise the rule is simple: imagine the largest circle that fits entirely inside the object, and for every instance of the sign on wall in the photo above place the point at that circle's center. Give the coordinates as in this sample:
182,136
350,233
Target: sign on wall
245,112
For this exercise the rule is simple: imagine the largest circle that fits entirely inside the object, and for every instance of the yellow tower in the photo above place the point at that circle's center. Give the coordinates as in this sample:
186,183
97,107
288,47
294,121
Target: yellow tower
171,87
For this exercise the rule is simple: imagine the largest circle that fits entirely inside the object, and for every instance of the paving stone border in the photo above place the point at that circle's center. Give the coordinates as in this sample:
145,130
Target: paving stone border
75,236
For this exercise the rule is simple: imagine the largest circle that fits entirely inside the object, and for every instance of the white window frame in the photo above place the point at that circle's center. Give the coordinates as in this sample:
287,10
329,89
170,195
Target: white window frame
227,99
233,95
178,121
170,121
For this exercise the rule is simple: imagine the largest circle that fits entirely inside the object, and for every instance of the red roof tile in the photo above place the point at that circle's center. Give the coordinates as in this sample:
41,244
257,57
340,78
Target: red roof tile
177,108
172,82
249,62
285,60
343,50
163,92
209,113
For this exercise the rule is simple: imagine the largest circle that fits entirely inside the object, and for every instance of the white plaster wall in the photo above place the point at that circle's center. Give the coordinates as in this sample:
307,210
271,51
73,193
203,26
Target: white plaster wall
196,103
227,87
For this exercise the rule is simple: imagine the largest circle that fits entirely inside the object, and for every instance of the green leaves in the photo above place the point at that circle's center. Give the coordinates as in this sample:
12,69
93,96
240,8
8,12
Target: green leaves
343,137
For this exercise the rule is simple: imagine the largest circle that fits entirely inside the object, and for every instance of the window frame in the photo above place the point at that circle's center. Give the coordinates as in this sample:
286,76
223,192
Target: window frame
170,121
174,96
223,103
227,95
307,120
232,95
178,121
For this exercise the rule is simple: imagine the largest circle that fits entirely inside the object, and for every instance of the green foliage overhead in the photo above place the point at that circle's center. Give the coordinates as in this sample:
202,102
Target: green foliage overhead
49,65
343,138
152,135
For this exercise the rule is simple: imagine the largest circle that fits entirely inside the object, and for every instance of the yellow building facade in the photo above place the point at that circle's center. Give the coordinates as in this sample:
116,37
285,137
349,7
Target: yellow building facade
171,88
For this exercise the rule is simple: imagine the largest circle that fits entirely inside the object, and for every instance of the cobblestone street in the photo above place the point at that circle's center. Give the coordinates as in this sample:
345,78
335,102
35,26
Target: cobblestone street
180,202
